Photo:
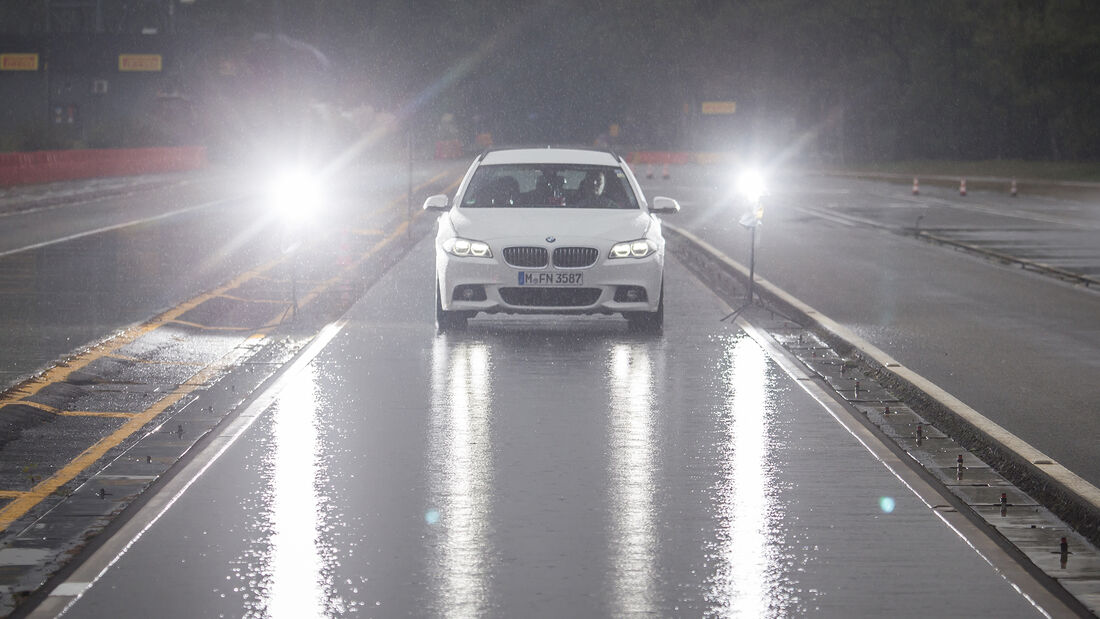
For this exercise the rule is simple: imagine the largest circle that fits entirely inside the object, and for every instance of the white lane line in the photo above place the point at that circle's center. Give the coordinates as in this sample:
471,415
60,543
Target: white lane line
933,497
996,434
81,200
63,596
976,538
119,226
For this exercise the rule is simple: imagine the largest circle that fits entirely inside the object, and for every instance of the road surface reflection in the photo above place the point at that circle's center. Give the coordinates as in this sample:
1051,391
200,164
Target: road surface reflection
748,580
634,536
460,477
296,571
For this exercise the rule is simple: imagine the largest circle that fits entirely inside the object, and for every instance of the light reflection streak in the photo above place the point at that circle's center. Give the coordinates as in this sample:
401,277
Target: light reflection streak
461,476
633,526
297,586
747,580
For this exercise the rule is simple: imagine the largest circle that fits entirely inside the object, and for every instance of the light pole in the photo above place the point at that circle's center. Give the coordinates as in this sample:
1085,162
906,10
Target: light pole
752,187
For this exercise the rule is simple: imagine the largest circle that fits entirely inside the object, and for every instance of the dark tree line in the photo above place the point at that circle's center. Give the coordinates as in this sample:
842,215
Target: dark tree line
845,79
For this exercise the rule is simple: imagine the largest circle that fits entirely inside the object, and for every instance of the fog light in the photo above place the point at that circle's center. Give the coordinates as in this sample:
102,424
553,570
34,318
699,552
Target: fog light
630,294
469,292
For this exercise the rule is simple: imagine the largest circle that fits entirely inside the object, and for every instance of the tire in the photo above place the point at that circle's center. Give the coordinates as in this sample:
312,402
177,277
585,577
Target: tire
445,320
649,322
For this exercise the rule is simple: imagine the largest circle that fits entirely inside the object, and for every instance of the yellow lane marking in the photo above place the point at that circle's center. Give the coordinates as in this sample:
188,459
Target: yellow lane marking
152,361
62,371
368,232
63,413
25,501
233,297
40,406
195,325
95,414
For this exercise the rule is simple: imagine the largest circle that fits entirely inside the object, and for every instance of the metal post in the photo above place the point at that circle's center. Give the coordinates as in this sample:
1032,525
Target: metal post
752,263
409,205
294,284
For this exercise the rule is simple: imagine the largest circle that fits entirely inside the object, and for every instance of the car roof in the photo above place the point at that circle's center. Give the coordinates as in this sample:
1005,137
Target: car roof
549,155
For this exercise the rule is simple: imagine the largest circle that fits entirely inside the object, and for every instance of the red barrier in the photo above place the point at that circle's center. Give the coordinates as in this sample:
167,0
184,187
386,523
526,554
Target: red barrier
665,157
660,157
59,165
448,149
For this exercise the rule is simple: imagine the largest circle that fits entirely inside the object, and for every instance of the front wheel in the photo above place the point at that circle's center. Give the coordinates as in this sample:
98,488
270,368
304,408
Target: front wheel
445,320
649,322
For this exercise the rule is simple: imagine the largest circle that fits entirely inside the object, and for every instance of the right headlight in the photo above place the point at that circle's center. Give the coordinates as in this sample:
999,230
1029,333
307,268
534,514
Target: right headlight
633,249
465,248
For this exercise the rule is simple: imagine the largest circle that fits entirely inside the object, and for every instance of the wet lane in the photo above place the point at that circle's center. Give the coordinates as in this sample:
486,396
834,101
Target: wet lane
73,274
1021,348
534,467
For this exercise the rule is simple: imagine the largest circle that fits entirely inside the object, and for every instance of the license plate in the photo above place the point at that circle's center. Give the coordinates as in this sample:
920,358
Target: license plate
550,278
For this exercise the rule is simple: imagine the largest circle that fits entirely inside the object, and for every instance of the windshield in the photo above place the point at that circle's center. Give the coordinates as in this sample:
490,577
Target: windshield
549,185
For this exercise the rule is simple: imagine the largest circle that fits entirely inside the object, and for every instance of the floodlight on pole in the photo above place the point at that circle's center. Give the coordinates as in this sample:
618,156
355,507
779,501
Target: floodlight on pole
753,187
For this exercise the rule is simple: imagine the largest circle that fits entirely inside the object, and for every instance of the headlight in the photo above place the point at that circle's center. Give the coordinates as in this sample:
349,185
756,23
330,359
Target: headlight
633,249
466,248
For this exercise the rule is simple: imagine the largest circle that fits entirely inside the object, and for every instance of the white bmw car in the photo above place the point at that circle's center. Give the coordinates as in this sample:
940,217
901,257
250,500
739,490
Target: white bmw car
550,230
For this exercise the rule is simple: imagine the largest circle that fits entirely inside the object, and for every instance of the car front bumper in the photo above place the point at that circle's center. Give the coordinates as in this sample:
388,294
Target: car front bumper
496,287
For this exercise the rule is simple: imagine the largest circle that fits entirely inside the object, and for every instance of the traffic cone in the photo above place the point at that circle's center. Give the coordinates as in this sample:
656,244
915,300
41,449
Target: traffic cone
962,187
916,186
649,171
664,172
1012,188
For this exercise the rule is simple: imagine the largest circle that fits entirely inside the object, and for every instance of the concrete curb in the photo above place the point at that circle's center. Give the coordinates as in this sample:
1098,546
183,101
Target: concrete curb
1070,497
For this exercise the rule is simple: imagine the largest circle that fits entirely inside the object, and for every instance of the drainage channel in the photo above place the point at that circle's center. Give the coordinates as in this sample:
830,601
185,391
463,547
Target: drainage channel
1012,516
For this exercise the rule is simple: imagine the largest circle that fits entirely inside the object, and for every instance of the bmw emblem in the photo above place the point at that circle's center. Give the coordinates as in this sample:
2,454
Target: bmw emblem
551,239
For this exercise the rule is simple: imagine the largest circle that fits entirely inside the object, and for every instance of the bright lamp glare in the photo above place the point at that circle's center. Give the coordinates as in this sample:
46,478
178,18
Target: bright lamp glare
752,184
295,194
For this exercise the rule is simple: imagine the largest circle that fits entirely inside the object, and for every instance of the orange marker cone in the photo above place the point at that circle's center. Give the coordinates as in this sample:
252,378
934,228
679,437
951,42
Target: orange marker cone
916,186
1012,189
664,172
962,187
649,171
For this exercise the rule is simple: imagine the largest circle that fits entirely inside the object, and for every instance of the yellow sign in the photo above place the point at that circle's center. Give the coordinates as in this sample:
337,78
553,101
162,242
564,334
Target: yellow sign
139,62
719,107
18,62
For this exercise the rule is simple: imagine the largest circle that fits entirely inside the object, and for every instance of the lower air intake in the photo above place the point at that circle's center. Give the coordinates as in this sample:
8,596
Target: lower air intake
550,297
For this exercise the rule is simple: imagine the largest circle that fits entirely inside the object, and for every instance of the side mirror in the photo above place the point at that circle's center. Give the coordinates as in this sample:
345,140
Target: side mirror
438,202
664,205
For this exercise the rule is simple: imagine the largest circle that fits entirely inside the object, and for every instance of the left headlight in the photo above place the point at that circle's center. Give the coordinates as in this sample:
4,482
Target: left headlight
633,249
465,248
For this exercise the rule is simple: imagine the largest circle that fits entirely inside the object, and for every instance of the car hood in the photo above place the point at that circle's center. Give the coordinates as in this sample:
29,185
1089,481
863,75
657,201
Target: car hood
490,224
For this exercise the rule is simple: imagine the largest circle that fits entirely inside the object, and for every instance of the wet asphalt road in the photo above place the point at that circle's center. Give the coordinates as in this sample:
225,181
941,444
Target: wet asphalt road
546,467
75,273
1021,348
59,296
